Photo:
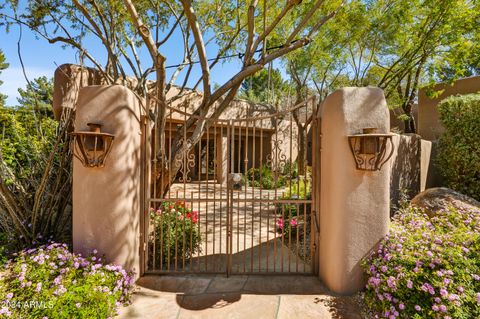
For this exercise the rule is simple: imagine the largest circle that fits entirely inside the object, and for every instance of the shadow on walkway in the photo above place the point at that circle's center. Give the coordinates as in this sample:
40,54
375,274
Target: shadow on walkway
254,296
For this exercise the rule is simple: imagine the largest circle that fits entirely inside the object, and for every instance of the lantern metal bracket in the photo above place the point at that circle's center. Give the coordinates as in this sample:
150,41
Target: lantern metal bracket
92,147
369,149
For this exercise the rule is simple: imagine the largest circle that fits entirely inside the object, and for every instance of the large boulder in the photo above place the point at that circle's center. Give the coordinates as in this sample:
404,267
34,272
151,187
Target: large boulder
438,198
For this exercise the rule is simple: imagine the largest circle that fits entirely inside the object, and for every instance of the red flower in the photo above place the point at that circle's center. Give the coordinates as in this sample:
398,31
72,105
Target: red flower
195,217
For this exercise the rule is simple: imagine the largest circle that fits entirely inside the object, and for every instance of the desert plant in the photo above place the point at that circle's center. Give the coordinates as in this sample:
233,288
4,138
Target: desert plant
175,226
35,165
426,267
51,282
459,147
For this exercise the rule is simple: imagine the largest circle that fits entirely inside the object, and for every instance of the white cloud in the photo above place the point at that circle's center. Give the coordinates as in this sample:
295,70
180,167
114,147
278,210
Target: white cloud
13,79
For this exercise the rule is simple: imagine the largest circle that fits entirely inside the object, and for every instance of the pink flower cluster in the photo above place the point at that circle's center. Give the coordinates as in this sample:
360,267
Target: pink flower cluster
426,267
281,223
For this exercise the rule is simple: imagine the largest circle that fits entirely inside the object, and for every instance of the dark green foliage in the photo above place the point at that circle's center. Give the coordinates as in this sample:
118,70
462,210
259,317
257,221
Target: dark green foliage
459,147
3,66
25,138
38,96
265,86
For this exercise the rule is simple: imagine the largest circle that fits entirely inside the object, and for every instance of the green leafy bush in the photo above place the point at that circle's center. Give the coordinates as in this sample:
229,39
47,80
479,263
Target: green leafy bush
21,143
459,147
426,267
290,169
264,177
176,233
51,282
301,189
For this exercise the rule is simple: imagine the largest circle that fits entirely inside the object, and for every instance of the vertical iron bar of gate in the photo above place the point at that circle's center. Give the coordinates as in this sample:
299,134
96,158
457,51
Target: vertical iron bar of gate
260,203
153,160
253,197
245,194
228,247
238,170
207,196
216,179
274,165
149,190
147,195
316,165
290,188
170,159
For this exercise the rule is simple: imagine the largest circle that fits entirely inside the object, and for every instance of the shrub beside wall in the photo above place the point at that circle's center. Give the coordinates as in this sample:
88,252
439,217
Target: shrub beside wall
426,267
459,147
51,282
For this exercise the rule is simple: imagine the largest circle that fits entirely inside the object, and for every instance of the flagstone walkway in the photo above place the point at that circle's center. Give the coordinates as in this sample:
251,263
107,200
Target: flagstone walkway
250,297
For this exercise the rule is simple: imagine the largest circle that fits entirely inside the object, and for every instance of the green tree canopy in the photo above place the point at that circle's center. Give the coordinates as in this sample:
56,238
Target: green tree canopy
38,96
266,86
3,66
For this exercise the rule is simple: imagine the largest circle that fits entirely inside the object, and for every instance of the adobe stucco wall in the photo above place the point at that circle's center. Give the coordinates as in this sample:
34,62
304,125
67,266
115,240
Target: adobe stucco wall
68,80
429,126
411,168
397,125
405,164
354,204
106,201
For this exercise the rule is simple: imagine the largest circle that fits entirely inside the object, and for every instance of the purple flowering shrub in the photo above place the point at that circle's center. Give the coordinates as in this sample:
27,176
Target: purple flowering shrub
426,267
52,282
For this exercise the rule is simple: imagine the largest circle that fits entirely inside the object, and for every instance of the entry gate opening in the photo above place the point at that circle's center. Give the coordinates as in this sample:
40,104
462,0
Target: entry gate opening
240,200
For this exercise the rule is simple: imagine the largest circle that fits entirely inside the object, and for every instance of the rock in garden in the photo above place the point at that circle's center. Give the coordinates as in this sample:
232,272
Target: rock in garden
438,198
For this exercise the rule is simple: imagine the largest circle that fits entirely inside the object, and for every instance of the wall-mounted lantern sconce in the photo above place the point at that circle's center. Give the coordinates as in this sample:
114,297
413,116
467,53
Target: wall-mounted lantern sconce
369,149
235,181
92,147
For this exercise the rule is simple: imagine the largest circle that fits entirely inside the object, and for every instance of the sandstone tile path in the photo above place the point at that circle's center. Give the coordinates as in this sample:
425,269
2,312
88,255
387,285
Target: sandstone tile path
193,296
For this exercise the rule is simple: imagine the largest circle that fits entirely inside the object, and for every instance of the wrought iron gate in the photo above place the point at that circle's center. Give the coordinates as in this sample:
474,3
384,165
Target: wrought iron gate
242,200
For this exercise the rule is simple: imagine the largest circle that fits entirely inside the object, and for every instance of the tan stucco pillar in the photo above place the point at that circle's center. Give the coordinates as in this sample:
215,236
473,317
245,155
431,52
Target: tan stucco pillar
354,204
106,201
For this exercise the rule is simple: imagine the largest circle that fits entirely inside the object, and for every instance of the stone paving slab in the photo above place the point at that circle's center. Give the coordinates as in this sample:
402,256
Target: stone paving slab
229,305
302,307
237,297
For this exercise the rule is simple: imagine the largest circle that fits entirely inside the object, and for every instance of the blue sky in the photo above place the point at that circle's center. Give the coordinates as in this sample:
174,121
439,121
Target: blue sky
42,58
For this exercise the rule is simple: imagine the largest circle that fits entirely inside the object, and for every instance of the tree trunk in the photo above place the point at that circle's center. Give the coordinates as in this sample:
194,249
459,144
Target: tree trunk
302,149
409,123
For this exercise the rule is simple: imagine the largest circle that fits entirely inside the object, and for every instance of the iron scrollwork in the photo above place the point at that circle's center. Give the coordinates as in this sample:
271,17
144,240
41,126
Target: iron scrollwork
276,159
185,160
